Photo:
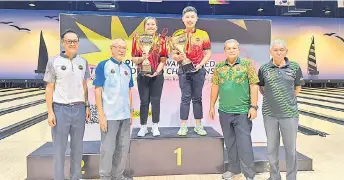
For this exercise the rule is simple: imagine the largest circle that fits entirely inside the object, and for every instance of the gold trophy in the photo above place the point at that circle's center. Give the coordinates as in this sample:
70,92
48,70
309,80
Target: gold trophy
181,43
146,42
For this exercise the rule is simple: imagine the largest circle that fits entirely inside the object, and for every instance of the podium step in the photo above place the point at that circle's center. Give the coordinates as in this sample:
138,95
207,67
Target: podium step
262,164
168,154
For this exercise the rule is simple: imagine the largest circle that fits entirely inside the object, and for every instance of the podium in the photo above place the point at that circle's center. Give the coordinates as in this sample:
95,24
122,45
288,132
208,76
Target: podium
167,154
170,154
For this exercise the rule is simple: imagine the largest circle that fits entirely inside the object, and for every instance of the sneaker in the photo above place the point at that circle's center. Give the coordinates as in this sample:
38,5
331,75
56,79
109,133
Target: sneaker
183,130
143,131
200,130
121,177
155,130
230,176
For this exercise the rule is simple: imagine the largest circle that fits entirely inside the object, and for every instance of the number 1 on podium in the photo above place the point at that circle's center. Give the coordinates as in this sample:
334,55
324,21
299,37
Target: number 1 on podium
178,151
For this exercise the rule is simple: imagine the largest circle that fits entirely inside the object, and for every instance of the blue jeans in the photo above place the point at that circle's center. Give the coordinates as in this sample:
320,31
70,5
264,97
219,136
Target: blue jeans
70,120
191,85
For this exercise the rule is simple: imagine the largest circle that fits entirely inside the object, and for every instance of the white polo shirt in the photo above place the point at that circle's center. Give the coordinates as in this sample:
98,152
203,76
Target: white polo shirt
68,76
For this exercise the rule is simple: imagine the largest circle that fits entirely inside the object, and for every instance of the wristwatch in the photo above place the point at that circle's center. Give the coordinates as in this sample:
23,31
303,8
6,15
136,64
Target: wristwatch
132,110
254,107
87,104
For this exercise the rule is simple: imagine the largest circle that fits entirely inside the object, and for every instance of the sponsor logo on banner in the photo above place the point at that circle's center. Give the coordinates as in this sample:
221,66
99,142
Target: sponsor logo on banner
285,2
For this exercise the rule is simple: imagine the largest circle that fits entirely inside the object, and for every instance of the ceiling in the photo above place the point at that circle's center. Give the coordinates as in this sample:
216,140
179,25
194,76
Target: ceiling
317,8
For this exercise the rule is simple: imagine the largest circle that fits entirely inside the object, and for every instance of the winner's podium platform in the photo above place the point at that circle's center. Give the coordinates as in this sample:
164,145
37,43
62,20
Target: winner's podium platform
170,154
167,154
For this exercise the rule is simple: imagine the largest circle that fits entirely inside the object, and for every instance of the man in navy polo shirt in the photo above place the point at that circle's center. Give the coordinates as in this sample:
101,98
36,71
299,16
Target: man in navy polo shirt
113,84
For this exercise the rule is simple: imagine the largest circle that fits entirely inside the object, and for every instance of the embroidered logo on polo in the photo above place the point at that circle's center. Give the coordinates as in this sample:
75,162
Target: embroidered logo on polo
238,68
126,73
80,67
112,71
63,67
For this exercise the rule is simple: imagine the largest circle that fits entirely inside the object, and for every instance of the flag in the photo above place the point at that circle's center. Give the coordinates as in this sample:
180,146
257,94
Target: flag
340,3
285,2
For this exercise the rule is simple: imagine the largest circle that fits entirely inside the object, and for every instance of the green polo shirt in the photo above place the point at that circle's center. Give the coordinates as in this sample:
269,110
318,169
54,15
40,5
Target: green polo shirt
234,85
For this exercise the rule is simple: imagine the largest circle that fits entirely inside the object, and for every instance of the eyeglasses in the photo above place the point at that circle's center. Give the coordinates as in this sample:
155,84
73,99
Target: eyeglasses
71,41
120,47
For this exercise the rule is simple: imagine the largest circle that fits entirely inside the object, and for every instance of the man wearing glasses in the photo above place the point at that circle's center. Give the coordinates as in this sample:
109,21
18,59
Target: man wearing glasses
67,100
113,83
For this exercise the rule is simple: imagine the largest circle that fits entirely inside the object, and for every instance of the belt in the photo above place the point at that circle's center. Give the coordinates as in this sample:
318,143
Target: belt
70,104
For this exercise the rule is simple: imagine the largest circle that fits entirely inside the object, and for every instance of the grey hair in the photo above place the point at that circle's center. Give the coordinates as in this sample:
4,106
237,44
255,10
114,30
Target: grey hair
116,39
231,41
278,41
189,9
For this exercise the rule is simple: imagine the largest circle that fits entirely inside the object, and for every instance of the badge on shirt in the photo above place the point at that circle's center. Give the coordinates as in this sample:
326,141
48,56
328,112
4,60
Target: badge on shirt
238,68
80,67
266,73
126,73
63,67
112,71
198,39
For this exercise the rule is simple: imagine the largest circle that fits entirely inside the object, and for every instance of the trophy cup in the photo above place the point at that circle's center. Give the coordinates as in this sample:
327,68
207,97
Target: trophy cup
180,42
146,42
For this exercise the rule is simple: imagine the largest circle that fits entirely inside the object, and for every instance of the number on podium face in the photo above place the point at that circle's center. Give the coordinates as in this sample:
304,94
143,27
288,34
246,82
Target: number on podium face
178,151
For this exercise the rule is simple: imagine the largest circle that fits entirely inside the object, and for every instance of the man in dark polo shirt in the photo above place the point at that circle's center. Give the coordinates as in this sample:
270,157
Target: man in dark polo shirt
68,107
235,82
280,82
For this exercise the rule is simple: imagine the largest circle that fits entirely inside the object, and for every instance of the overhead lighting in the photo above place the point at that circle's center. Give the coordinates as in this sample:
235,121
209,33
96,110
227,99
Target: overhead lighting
260,9
32,5
104,5
151,0
290,14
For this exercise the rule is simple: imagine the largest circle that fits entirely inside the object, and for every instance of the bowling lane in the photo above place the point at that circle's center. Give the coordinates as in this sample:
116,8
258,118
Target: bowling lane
328,112
15,149
320,98
321,102
324,92
21,101
18,91
321,125
20,95
8,89
11,118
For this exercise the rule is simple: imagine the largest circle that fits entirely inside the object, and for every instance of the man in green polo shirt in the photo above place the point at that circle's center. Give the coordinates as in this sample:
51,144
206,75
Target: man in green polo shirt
235,81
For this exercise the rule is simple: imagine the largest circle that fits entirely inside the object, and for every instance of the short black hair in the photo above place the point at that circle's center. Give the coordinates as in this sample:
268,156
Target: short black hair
189,9
68,31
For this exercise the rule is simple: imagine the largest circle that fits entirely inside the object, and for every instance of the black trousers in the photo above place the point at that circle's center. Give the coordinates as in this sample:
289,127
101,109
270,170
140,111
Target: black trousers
150,90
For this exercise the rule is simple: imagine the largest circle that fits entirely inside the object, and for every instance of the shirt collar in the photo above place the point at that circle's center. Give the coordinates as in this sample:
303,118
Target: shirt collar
192,31
115,61
236,62
287,63
64,56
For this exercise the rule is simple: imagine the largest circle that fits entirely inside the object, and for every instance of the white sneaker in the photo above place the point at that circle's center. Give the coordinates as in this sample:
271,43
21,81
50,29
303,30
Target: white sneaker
155,130
143,131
